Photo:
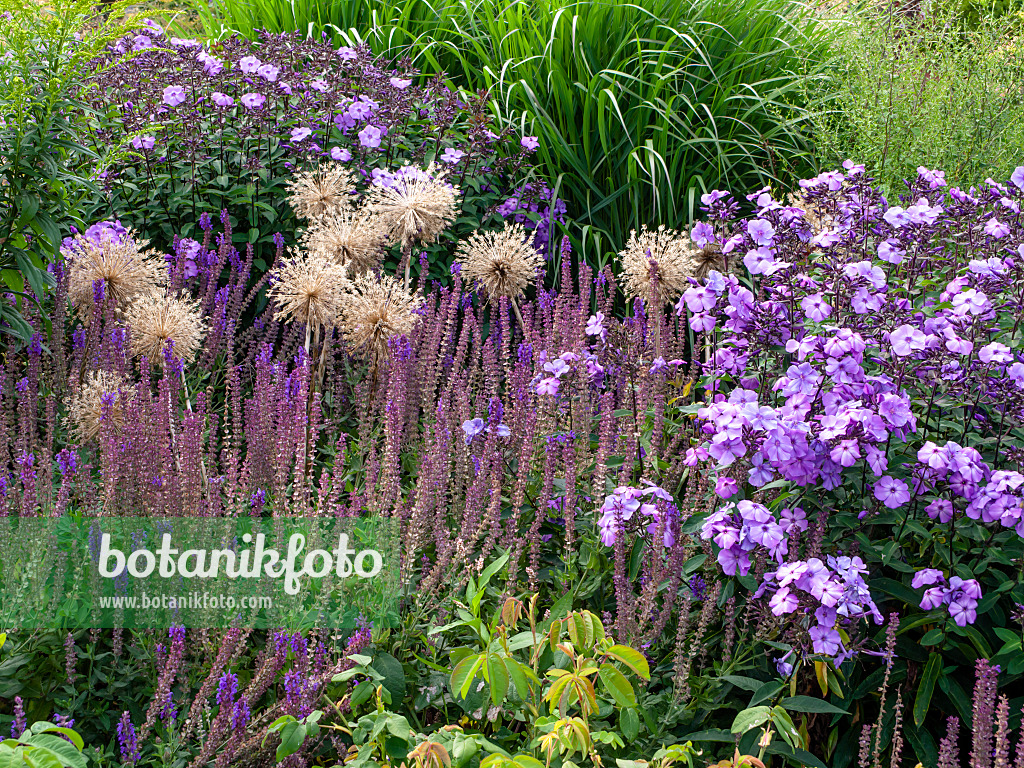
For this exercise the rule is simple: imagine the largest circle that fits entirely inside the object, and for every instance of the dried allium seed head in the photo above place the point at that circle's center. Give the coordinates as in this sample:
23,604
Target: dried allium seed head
416,205
309,288
375,311
322,191
705,259
126,271
663,252
354,239
504,263
156,319
86,408
819,220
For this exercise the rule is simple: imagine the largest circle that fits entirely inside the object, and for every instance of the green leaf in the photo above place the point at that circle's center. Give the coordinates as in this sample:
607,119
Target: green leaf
399,726
811,704
496,674
617,685
464,672
292,735
629,722
632,658
926,687
746,683
750,718
393,676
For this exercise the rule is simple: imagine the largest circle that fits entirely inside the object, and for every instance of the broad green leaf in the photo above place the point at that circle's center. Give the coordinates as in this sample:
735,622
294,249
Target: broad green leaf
617,685
926,687
810,704
750,718
632,658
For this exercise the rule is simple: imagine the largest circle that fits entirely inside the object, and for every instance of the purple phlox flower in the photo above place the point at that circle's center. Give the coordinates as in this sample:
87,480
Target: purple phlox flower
971,302
783,667
319,84
452,155
143,142
370,136
300,134
557,367
340,154
892,492
253,100
400,83
995,353
529,143
548,386
617,507
761,261
761,231
934,179
473,428
211,65
222,99
826,640
815,307
890,251
702,234
249,64
927,576
726,487
995,228
268,72
907,339
345,53
174,95
595,326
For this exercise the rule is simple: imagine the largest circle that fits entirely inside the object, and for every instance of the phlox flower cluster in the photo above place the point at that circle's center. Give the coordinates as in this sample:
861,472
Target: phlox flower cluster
960,595
827,362
738,529
531,205
962,482
651,502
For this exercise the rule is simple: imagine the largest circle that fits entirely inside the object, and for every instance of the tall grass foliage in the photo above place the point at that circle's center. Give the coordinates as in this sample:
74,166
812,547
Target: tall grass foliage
924,90
639,110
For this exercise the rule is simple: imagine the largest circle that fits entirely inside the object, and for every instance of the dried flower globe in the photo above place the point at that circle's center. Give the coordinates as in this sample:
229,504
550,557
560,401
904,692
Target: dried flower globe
706,259
156,319
503,263
414,204
309,288
353,239
117,266
99,389
814,214
663,254
323,191
374,312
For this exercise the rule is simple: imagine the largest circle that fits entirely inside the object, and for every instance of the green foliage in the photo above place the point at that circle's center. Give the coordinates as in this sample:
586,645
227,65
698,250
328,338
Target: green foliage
44,155
293,732
924,90
43,745
639,108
